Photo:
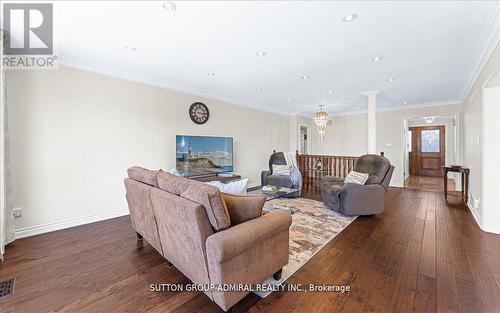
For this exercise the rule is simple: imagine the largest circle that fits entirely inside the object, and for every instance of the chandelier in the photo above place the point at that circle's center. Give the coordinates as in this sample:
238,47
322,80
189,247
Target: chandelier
321,119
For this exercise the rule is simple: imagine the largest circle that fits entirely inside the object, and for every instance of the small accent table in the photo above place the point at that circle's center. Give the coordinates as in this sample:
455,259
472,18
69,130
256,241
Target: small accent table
464,173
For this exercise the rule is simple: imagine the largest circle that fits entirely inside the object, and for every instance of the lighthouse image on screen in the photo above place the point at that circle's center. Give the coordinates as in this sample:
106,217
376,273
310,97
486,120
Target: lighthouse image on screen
203,155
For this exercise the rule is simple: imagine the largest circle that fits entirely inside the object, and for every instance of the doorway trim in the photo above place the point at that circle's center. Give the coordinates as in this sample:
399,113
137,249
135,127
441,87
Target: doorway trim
418,155
309,137
485,213
458,140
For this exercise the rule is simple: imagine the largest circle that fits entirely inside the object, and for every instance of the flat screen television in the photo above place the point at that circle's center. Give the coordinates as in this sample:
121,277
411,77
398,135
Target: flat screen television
203,155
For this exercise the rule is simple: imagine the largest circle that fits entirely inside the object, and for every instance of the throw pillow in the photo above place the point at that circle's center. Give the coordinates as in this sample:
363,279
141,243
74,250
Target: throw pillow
356,178
211,199
238,187
282,170
175,172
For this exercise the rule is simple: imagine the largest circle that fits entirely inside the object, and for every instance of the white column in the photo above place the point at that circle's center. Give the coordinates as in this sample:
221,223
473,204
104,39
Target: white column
372,121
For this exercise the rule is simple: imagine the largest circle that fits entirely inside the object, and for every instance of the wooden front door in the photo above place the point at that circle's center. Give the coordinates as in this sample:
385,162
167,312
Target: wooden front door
427,156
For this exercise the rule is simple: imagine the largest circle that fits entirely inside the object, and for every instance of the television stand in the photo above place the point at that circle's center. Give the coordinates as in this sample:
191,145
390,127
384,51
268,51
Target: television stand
215,177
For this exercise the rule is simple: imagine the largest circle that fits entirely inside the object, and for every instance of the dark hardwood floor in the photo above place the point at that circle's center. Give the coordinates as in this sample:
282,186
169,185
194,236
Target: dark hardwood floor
429,183
420,255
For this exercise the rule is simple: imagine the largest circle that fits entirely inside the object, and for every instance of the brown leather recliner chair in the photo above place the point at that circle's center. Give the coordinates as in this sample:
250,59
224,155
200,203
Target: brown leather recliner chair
355,199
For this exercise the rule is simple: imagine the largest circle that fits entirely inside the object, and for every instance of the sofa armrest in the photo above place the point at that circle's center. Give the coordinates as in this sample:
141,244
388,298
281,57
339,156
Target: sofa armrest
355,199
263,177
242,208
333,180
233,241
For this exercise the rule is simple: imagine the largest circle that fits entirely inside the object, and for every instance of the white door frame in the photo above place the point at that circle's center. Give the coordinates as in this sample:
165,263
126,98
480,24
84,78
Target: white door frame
490,188
309,138
458,140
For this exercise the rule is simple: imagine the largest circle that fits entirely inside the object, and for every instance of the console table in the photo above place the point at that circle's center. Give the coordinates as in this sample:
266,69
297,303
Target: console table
464,173
222,179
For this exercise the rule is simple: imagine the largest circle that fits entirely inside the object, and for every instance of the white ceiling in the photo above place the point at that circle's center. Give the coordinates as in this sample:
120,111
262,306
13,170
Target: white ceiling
432,49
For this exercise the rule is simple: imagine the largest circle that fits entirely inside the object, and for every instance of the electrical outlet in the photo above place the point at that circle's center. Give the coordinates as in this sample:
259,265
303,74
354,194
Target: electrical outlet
476,204
18,212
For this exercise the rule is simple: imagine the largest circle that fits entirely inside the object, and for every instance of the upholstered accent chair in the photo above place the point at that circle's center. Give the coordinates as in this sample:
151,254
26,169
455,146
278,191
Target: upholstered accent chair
292,181
355,199
212,238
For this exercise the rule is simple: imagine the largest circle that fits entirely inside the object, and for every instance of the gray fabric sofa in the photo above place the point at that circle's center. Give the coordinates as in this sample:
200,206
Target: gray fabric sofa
355,199
292,181
212,238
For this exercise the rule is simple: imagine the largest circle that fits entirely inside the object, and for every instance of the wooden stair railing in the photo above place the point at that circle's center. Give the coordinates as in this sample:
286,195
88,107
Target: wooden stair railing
331,165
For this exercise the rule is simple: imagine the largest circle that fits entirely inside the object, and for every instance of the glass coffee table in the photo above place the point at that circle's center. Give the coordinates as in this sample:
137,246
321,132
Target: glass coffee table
280,192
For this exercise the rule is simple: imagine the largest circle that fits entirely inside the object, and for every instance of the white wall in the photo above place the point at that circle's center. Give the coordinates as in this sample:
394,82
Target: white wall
472,133
74,134
348,135
491,151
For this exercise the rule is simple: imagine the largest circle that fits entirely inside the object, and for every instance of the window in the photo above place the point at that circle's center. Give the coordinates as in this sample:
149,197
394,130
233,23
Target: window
430,140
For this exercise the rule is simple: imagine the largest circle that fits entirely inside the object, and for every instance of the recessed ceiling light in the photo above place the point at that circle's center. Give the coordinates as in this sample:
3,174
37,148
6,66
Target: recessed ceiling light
406,102
169,6
377,59
259,89
305,77
350,17
210,74
391,79
429,119
130,48
261,53
330,91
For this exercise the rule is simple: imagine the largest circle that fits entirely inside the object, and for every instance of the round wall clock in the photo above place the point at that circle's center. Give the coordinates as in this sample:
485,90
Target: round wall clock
198,112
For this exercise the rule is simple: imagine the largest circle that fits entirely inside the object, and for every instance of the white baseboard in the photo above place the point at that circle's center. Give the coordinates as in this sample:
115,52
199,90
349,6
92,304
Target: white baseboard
475,214
46,228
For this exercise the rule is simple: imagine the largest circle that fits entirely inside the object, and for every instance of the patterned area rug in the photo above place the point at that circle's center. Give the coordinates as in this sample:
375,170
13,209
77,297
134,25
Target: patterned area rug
313,226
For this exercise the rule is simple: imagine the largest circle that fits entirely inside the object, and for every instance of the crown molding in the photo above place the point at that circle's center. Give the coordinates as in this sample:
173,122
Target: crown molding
163,84
487,43
167,85
393,108
371,93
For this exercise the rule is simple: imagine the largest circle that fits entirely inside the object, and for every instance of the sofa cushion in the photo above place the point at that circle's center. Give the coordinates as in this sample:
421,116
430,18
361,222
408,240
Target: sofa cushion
210,197
202,193
173,184
143,175
281,181
243,208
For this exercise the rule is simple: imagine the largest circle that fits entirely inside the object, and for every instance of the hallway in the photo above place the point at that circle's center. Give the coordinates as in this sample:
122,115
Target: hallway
428,183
